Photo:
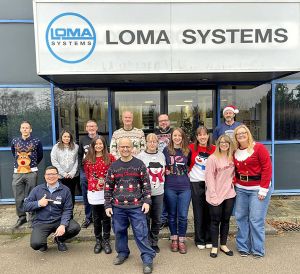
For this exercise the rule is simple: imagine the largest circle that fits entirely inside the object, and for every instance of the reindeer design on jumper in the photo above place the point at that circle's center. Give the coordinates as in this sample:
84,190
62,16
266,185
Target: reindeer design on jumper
24,159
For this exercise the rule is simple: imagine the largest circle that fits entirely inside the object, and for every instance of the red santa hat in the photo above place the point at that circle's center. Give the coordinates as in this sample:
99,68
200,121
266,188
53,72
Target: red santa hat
232,108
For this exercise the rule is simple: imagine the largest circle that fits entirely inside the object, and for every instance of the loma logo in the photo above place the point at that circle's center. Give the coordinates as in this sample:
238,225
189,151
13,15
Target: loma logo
70,38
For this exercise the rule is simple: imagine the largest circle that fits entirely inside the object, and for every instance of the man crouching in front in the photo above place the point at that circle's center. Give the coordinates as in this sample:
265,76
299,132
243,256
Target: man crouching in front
52,204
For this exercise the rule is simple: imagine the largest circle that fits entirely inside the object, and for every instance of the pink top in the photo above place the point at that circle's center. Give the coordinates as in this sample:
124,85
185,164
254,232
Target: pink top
219,180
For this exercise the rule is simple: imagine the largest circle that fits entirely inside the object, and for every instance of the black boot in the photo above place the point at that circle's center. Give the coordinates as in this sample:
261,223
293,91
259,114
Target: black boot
106,246
98,246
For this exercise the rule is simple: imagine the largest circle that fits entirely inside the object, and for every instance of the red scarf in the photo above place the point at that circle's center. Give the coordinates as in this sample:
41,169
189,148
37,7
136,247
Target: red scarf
154,176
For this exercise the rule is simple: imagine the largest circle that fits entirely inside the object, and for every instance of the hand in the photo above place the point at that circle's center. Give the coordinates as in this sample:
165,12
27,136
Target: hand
261,197
68,176
60,231
145,208
43,202
109,212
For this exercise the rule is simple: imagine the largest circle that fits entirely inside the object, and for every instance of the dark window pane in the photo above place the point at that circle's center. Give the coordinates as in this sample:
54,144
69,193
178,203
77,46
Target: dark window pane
76,107
31,104
287,112
286,171
145,106
190,109
254,104
6,171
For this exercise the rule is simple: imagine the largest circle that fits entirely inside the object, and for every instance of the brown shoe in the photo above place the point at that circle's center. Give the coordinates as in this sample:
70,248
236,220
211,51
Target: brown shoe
182,248
174,245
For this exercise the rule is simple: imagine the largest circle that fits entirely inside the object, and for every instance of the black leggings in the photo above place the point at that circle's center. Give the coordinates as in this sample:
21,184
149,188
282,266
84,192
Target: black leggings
101,222
220,216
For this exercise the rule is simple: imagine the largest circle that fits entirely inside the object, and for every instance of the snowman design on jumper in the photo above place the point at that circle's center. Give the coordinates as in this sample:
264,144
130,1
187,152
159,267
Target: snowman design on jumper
156,172
201,160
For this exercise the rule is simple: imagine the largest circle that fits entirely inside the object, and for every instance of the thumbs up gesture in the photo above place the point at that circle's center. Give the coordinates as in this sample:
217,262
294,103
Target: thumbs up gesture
43,202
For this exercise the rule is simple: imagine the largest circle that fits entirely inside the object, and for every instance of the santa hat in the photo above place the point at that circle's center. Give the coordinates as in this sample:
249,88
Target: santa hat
232,108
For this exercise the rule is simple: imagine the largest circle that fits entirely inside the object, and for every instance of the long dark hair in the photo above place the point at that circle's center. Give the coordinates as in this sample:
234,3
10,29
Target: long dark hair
184,144
91,154
60,142
198,131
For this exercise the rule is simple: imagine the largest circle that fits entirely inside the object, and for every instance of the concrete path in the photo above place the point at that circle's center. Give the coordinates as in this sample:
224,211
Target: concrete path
16,257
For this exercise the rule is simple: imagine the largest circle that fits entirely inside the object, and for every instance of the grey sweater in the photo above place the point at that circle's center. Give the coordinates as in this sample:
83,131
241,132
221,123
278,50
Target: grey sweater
155,163
66,160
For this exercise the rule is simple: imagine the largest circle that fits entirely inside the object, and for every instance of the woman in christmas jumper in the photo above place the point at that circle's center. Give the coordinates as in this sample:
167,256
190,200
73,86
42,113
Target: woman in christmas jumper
64,156
155,162
200,149
177,188
96,164
220,193
253,191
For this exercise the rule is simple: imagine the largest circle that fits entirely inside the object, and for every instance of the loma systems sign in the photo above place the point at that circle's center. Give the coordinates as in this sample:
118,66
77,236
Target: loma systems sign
120,37
63,32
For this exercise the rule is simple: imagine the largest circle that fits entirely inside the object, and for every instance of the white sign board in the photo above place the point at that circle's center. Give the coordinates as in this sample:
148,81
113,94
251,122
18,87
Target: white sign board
165,37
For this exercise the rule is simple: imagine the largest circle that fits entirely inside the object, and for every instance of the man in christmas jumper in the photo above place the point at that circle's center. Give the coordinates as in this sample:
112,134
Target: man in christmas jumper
127,200
84,144
28,153
229,124
136,136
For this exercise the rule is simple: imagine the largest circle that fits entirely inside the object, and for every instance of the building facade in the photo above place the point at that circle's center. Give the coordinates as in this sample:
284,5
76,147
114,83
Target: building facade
187,59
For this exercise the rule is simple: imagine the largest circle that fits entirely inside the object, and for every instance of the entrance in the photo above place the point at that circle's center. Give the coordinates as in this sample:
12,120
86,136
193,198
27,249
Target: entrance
187,109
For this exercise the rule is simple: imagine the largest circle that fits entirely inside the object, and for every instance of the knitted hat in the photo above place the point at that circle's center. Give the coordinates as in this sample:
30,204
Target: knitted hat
232,108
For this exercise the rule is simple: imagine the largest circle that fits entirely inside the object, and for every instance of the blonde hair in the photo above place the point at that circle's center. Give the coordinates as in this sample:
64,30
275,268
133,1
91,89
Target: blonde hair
184,143
251,141
228,140
150,137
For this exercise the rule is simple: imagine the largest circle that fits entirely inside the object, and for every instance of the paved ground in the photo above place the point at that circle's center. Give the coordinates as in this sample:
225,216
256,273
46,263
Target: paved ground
282,209
17,257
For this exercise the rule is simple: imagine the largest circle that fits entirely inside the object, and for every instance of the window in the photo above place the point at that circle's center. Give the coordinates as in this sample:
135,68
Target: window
254,104
287,111
19,104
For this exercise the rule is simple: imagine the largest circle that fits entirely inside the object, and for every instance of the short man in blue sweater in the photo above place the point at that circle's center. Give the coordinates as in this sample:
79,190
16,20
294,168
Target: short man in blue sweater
52,204
28,153
229,124
127,200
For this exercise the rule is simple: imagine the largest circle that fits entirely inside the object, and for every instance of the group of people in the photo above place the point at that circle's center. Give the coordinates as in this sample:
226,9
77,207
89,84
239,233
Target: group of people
141,180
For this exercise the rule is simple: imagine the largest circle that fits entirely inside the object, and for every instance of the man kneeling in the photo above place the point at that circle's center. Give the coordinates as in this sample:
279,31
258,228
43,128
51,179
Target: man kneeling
52,204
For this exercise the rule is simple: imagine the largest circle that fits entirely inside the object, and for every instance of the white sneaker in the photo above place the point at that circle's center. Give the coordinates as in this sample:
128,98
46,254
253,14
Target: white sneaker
201,247
208,246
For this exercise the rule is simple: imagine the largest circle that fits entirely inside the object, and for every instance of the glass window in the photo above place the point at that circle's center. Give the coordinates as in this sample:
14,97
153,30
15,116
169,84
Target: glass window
254,104
189,109
287,111
145,106
6,171
18,104
76,107
286,171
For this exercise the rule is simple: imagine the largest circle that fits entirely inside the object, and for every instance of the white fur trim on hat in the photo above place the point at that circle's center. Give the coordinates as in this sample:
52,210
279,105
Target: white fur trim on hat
232,108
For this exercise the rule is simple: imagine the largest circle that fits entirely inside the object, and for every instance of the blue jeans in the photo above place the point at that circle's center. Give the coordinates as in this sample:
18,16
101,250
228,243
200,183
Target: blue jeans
178,202
84,189
120,221
250,214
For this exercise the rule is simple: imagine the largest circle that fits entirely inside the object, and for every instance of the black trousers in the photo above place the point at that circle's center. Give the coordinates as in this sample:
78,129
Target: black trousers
41,232
71,184
101,222
201,214
220,217
153,218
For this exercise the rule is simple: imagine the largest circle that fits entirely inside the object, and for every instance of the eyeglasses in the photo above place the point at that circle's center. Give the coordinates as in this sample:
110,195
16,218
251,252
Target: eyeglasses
224,143
152,142
124,147
241,133
51,174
